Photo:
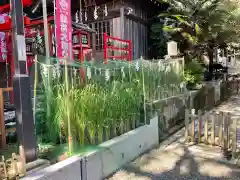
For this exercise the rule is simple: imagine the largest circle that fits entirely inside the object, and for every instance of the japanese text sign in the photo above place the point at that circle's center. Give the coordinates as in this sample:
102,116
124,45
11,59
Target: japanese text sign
3,43
63,28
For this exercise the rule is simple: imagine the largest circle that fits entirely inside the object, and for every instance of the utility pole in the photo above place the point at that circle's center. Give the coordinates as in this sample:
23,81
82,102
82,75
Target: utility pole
21,86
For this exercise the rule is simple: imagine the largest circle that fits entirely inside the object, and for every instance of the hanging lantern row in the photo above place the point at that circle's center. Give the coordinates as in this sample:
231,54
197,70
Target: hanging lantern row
79,14
106,73
105,11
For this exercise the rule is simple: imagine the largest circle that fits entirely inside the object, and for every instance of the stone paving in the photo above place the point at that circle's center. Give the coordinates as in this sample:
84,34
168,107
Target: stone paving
175,160
232,106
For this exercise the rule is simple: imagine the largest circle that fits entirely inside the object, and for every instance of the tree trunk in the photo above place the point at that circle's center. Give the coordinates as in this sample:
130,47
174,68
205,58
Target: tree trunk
210,56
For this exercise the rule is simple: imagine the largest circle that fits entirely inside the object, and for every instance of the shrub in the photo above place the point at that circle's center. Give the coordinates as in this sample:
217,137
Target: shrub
193,73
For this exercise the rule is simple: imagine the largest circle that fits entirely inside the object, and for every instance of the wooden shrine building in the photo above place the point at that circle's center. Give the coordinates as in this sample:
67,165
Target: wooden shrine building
124,19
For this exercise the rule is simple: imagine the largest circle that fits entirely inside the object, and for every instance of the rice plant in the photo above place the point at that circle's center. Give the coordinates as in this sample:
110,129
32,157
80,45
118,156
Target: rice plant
93,102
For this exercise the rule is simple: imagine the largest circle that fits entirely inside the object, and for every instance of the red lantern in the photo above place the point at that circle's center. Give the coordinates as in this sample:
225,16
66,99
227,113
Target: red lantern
6,8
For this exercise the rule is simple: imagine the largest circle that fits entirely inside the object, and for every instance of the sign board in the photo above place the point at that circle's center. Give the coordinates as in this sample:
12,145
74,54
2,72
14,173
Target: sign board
29,46
9,115
3,43
85,41
76,39
63,28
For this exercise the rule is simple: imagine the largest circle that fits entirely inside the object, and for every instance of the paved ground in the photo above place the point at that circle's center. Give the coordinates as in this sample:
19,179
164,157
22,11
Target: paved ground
231,106
180,161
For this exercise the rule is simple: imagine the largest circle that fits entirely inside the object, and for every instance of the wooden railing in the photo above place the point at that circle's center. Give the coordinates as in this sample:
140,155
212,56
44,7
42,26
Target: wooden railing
205,98
214,128
2,119
13,168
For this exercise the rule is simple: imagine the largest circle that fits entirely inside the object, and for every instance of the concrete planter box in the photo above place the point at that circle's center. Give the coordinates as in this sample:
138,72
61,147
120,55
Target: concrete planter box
114,153
99,164
121,150
65,170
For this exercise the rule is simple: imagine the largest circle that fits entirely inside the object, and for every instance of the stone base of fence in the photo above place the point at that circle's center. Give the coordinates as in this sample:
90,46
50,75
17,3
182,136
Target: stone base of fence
99,164
171,111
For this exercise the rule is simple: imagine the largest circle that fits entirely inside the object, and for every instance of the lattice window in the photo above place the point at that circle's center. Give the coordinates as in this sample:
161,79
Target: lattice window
101,27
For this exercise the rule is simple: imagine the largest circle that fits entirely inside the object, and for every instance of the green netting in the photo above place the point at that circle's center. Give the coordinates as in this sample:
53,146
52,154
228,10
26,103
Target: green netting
85,104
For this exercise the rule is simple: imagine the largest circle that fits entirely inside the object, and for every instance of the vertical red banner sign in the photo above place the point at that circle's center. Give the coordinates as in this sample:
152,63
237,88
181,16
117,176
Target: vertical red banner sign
3,43
63,28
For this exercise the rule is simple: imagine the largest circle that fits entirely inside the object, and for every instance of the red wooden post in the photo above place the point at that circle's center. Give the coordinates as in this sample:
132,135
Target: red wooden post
130,50
2,123
81,49
105,46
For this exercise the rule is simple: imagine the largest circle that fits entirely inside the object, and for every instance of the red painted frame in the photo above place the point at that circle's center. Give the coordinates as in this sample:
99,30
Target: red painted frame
7,7
106,47
80,47
80,33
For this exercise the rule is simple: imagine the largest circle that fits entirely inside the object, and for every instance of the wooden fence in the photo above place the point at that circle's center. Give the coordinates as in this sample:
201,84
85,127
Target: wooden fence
3,129
208,96
214,128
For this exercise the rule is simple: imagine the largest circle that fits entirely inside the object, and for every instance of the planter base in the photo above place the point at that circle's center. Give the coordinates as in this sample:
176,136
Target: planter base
101,163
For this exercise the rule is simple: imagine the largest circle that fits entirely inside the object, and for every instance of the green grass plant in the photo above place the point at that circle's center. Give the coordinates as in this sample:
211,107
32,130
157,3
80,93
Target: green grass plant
109,103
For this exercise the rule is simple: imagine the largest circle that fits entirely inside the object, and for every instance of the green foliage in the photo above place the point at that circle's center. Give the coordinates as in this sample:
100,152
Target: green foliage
202,24
158,39
87,106
193,73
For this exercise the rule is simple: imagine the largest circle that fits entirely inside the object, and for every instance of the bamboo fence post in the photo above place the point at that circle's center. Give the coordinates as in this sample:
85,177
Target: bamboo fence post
206,129
199,125
186,124
212,116
220,133
229,122
237,86
193,118
2,122
234,138
218,122
225,135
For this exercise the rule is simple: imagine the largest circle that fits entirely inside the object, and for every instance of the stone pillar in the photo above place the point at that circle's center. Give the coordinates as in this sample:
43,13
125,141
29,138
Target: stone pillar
172,48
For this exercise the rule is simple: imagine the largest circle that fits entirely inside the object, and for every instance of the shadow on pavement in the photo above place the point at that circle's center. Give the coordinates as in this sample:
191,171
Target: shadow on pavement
187,167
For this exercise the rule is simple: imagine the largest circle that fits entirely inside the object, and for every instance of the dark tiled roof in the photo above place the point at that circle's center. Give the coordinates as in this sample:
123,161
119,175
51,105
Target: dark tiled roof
82,26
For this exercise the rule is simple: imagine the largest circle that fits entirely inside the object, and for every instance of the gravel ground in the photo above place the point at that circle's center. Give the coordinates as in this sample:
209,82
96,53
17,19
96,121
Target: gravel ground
179,161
